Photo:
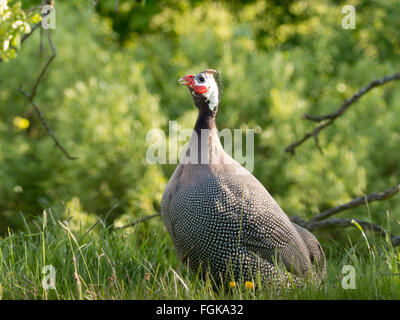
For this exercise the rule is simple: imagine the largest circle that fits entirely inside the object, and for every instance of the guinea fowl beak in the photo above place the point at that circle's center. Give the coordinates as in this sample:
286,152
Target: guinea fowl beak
182,81
186,80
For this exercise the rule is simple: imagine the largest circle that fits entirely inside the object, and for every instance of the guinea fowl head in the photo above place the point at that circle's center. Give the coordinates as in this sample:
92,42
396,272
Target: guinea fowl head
204,89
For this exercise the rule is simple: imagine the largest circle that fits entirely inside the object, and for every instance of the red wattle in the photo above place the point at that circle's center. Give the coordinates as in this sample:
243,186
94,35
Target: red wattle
200,89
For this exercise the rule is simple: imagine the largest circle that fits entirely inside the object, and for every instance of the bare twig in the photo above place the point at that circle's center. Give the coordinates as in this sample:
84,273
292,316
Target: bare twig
375,196
308,135
47,128
98,220
37,25
319,222
39,78
139,221
31,96
41,45
330,118
333,222
27,35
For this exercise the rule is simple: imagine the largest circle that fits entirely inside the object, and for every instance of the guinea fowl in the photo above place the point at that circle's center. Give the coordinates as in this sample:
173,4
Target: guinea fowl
221,218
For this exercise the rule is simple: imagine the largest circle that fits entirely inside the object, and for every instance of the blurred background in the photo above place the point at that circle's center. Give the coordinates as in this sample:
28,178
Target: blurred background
115,77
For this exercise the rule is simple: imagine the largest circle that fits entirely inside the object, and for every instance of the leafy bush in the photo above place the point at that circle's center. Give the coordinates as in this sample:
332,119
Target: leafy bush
96,101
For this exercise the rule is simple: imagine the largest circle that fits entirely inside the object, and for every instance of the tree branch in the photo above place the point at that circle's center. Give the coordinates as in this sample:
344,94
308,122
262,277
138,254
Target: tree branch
375,196
331,223
330,118
319,222
31,96
100,220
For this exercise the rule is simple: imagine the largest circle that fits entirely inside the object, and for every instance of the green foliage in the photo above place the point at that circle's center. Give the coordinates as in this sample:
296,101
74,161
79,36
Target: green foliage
278,60
14,23
96,101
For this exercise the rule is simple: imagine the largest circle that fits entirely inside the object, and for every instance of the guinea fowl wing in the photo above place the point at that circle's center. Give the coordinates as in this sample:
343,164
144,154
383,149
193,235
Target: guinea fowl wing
267,231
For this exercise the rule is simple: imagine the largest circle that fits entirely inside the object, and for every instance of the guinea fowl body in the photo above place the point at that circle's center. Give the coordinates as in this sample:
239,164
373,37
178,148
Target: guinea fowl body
222,219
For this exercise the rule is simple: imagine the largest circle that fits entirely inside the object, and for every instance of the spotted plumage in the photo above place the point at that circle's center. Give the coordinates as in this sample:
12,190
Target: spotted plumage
222,219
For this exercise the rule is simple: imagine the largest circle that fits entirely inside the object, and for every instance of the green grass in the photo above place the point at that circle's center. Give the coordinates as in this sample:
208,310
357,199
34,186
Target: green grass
140,263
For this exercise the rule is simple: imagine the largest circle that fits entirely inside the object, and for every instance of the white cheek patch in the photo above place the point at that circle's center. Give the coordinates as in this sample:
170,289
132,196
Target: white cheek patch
212,92
212,97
